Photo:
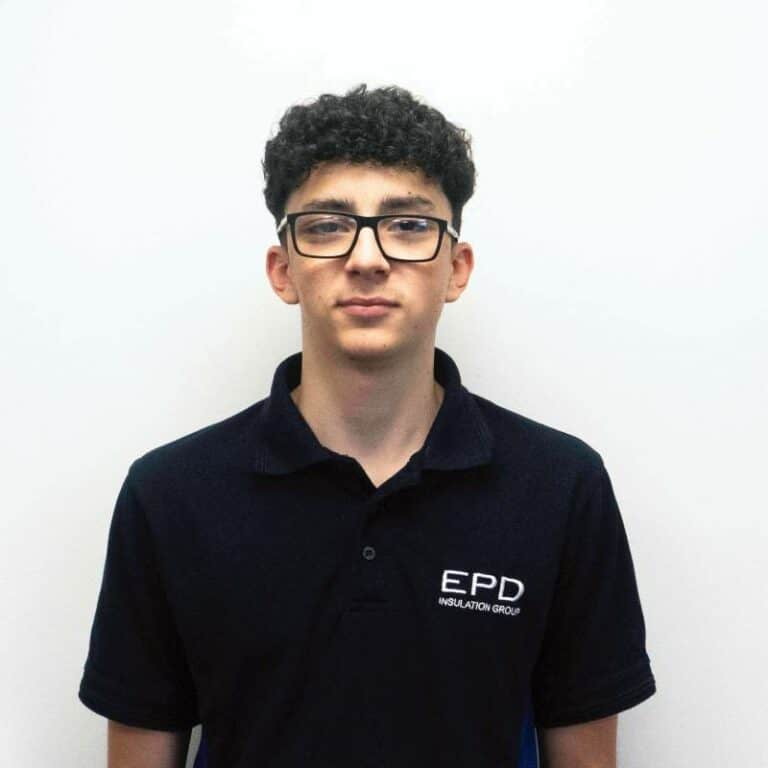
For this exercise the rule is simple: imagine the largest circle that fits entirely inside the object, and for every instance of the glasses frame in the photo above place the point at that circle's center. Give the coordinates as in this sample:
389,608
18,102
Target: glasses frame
367,221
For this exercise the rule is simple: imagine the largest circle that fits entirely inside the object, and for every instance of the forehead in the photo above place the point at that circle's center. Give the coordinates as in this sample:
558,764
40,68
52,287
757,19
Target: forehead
365,185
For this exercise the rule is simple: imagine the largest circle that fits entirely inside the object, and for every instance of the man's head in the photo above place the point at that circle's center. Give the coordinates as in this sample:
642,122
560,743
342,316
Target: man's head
365,148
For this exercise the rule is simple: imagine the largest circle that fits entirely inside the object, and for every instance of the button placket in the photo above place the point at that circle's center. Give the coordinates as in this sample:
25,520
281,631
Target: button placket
369,592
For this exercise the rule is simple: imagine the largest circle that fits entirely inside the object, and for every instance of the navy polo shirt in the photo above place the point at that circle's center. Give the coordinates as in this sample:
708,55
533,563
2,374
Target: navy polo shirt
260,584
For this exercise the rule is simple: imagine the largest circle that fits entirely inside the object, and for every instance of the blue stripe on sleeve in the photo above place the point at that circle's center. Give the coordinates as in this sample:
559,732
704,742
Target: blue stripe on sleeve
528,756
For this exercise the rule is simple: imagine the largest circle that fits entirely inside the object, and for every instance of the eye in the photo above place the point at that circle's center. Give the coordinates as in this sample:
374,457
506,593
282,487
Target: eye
410,226
323,226
319,225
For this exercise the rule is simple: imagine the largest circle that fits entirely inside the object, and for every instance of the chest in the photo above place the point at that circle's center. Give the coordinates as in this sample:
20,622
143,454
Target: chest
464,570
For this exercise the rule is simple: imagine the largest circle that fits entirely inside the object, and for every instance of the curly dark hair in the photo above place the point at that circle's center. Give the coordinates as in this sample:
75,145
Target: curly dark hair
386,126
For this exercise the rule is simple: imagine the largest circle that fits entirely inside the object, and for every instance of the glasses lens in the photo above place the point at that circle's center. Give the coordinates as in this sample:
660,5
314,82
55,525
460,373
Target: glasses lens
409,237
324,234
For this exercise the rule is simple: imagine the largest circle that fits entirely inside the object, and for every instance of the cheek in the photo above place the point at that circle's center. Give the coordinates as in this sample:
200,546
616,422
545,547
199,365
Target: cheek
437,288
312,287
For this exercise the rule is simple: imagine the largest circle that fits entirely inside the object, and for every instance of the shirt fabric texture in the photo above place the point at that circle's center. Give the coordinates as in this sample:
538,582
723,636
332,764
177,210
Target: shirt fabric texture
258,583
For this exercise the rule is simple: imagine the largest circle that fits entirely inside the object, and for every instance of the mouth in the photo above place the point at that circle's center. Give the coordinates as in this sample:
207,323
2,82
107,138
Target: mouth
367,301
367,310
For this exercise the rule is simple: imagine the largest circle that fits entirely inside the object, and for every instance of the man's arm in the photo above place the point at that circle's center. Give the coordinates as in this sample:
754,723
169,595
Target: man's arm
584,745
130,747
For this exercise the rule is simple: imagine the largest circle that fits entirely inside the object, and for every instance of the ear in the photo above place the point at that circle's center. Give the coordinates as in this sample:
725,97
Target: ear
279,274
462,264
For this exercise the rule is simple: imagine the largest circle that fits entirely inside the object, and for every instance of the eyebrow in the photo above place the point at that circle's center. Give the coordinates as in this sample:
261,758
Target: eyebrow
388,204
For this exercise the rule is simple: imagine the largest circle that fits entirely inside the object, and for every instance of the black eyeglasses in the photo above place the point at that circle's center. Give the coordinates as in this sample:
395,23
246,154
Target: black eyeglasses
332,235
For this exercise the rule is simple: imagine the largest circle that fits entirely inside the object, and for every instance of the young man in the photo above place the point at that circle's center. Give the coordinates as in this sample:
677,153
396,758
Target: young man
372,566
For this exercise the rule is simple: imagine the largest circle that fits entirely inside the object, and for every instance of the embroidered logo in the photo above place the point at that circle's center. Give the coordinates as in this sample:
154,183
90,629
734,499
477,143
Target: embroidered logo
505,590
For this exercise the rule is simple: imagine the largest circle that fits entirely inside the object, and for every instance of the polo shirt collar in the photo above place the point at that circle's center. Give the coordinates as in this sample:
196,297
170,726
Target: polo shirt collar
459,436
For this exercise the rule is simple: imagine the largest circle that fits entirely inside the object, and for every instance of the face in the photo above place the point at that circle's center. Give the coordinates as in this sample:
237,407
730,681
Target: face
420,289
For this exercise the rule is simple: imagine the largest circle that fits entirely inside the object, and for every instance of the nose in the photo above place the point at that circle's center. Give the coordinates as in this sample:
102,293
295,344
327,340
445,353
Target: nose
366,254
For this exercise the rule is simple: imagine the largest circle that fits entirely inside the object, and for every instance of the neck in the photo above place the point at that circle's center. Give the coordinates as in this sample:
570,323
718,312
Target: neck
378,411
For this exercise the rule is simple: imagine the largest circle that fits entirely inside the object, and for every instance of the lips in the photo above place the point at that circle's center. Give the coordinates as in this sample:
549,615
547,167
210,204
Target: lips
363,302
367,310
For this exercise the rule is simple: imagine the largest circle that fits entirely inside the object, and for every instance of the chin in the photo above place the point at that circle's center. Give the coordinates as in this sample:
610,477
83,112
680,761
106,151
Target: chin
368,346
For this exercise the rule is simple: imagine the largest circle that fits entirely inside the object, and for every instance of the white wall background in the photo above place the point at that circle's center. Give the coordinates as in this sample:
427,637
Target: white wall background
619,293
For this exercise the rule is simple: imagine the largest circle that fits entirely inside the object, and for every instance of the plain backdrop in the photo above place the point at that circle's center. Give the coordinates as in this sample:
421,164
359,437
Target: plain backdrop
619,294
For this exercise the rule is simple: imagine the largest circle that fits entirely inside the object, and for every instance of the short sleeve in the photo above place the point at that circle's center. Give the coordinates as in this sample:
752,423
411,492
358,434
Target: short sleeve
135,671
593,661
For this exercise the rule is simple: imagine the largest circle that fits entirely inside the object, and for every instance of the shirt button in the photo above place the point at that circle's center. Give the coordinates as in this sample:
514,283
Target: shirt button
369,553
